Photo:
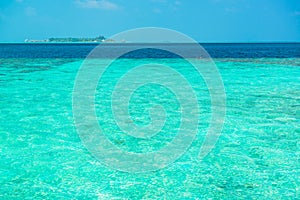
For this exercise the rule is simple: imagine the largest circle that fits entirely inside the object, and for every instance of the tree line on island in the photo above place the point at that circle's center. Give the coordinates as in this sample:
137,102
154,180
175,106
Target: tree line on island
98,39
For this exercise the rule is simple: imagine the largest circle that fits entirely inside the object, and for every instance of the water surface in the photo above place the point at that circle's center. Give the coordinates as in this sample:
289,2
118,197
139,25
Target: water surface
256,157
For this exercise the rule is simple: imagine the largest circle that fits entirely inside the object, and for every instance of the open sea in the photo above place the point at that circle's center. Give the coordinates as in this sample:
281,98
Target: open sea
257,155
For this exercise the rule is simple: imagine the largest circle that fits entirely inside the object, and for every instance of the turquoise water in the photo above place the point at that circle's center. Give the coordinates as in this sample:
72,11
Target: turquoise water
256,157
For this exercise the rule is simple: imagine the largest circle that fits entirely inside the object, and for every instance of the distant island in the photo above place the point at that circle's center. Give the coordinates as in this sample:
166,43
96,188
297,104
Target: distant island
72,40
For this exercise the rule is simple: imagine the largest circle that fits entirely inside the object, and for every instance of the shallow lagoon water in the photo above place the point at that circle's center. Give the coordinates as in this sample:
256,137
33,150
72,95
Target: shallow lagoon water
256,157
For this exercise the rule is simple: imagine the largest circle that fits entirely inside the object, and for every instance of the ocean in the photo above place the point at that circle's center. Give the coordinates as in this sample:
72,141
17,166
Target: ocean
256,156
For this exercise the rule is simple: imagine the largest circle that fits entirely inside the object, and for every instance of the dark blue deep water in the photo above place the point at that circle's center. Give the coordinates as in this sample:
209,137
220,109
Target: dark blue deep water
224,50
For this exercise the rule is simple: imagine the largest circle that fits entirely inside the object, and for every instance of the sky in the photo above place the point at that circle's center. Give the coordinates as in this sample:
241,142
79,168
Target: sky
203,20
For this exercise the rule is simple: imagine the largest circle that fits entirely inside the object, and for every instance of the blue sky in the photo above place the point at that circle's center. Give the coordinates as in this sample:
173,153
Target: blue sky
203,20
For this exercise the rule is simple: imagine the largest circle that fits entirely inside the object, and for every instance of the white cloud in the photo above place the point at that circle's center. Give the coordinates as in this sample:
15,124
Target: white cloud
30,11
99,4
